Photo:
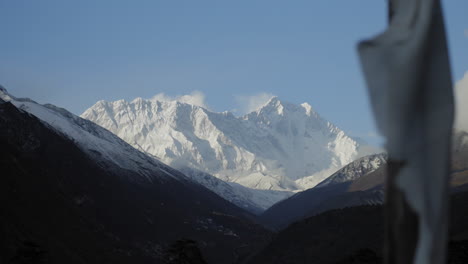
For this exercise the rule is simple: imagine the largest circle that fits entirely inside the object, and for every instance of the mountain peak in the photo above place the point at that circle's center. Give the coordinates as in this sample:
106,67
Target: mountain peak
195,98
270,103
275,105
138,100
273,101
308,108
279,107
4,95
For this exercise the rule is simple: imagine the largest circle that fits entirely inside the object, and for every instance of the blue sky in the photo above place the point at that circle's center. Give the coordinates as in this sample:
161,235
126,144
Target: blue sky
74,53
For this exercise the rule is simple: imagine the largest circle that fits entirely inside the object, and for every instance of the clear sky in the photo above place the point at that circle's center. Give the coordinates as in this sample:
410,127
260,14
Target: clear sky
74,53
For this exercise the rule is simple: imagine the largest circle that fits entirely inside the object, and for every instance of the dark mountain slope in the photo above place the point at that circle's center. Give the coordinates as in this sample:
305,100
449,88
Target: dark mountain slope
355,184
352,235
58,205
359,183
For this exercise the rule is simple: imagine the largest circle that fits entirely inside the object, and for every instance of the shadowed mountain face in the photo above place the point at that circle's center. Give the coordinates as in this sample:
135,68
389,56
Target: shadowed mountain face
59,204
353,235
359,183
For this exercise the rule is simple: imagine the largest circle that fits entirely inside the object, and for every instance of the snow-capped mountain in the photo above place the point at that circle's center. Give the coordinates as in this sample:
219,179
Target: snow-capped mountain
99,143
75,191
114,153
280,146
355,169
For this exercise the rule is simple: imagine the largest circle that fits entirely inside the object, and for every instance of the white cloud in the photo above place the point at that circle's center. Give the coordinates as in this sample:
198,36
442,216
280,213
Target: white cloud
251,103
466,33
195,98
461,103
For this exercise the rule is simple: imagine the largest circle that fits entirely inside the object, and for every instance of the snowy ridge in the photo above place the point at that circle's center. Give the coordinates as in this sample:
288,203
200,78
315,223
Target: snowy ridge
93,139
280,146
355,170
255,201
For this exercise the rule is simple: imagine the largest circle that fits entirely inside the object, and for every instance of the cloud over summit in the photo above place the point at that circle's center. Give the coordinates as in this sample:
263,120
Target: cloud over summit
195,98
251,103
